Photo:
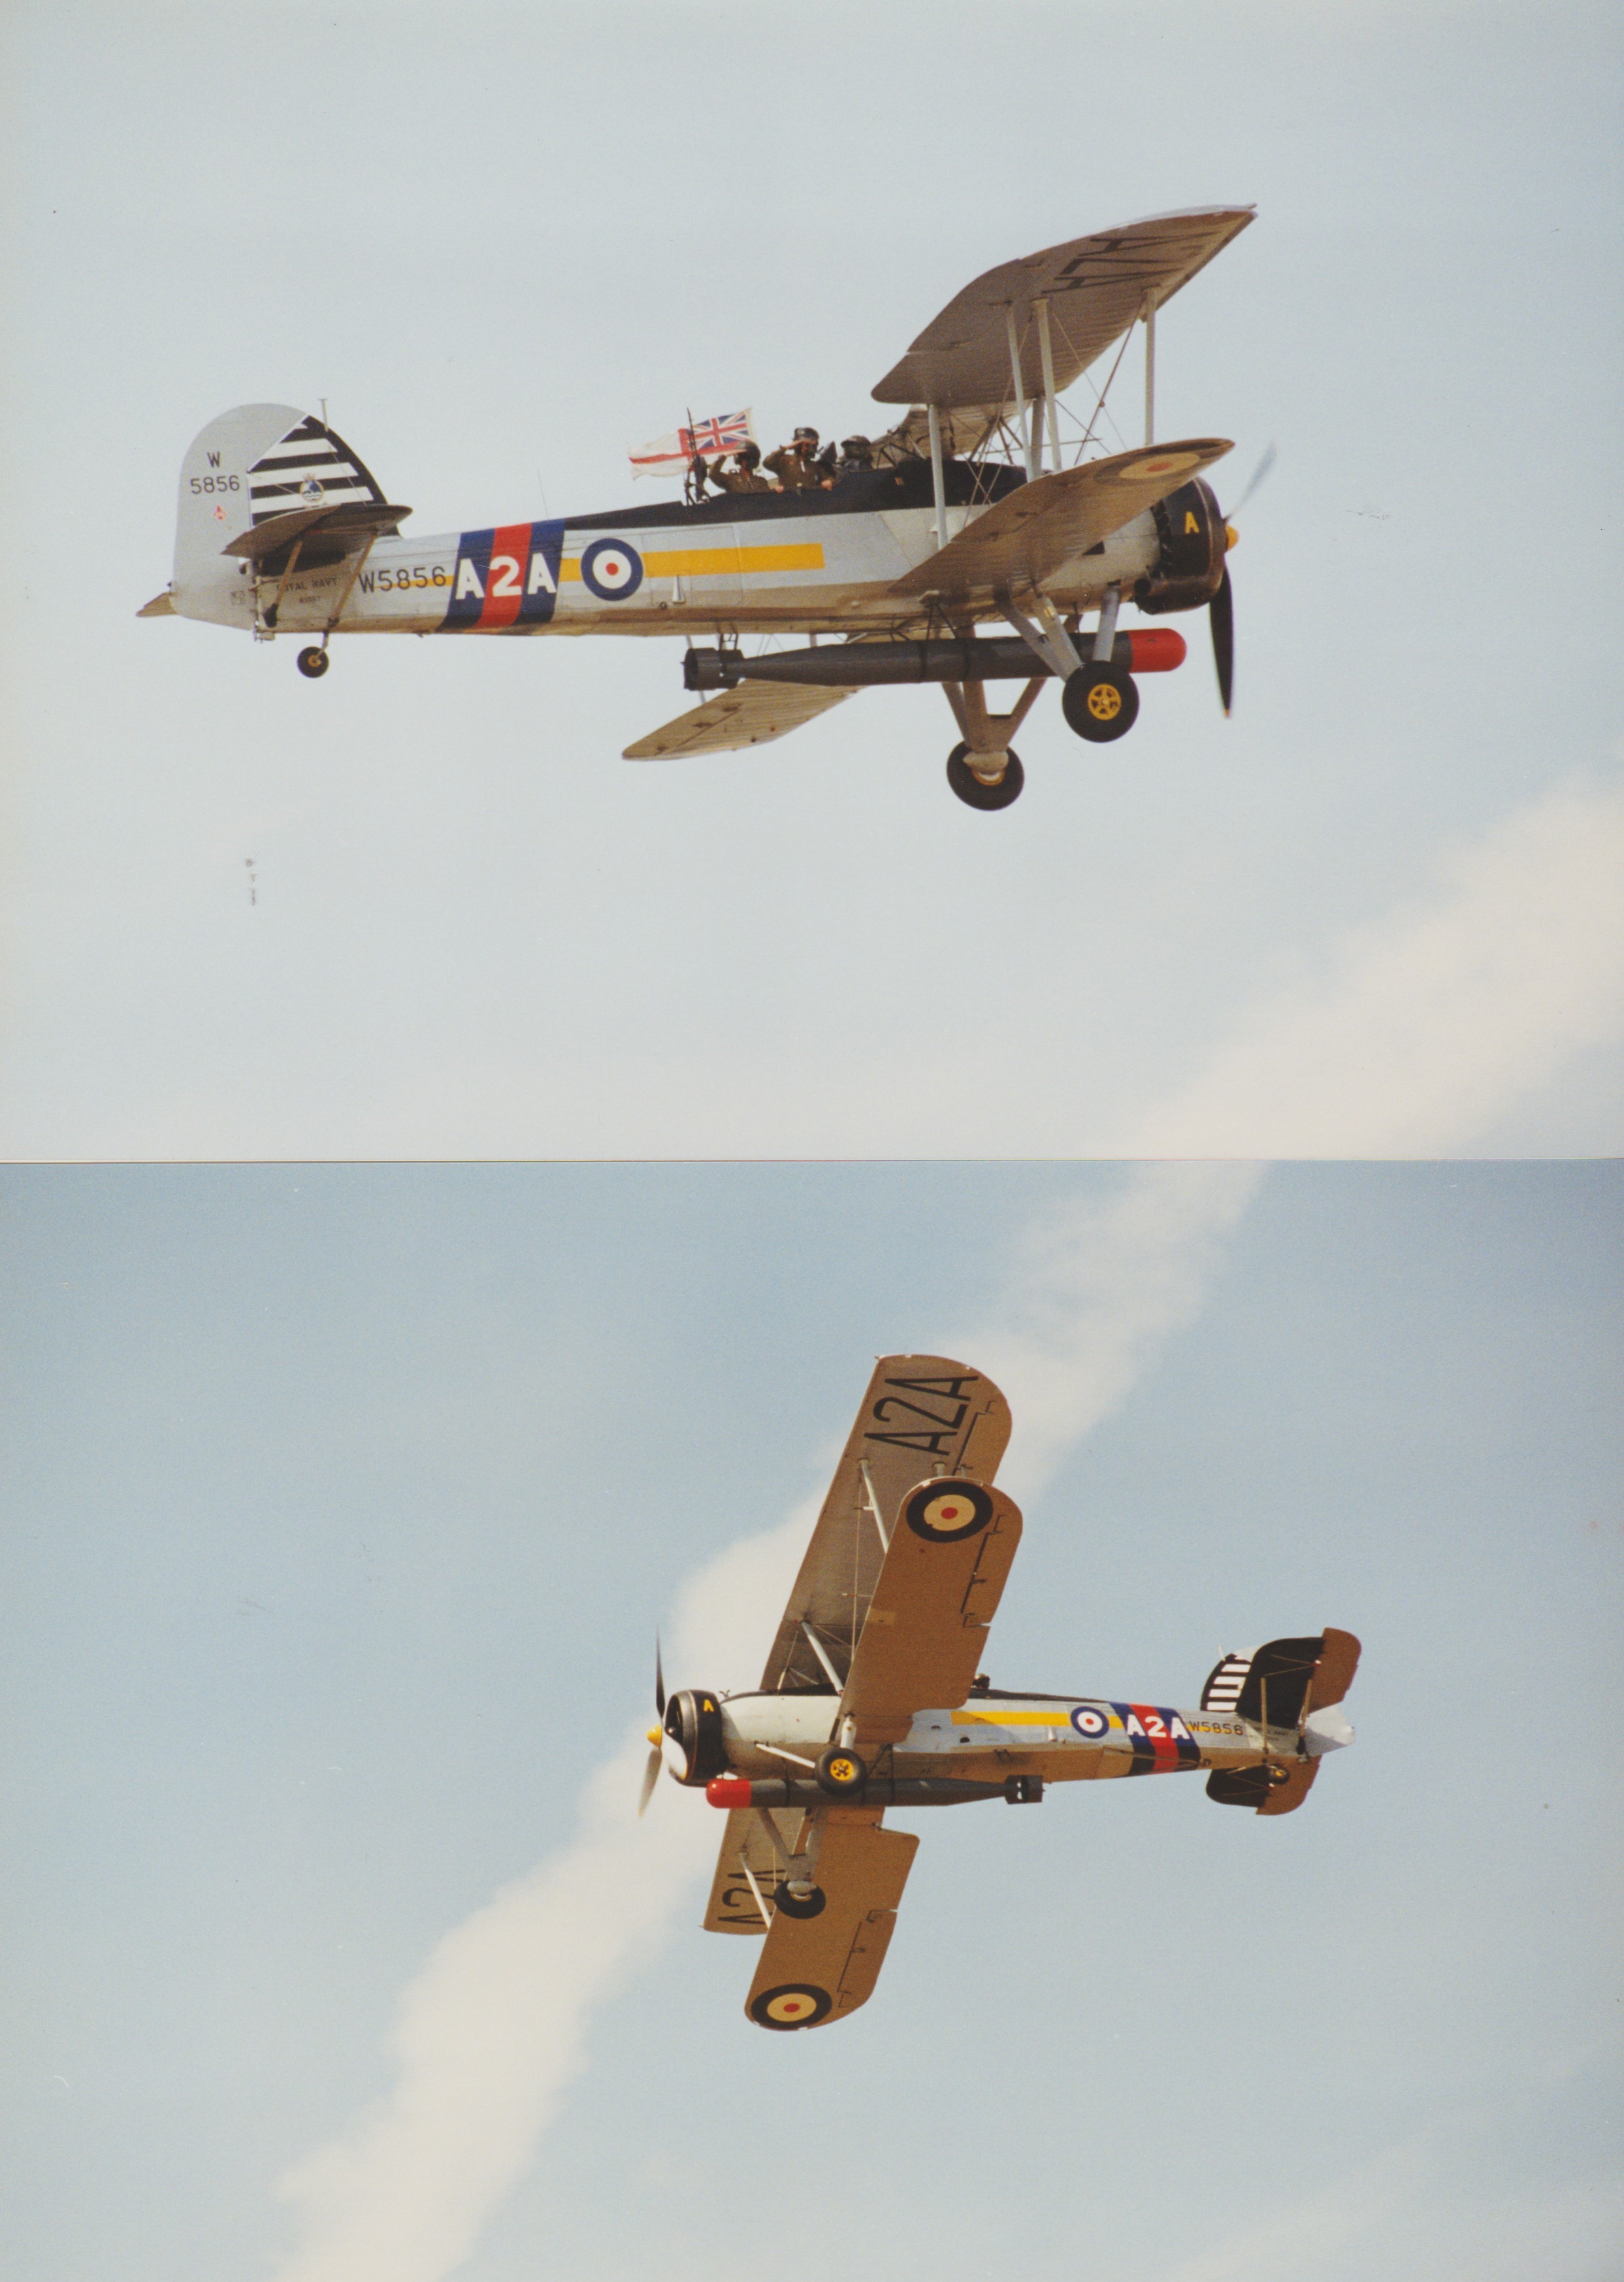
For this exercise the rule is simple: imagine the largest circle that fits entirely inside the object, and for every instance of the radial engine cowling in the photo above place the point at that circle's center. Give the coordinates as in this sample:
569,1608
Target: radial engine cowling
693,1723
1189,567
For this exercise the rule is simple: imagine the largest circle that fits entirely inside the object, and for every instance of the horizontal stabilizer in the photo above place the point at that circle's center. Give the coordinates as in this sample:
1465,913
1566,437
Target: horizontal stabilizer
161,606
356,520
1286,1683
751,716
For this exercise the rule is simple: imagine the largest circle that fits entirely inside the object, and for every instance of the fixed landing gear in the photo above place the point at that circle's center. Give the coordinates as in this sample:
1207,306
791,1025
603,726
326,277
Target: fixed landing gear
986,769
976,791
1100,702
313,663
806,1905
841,1773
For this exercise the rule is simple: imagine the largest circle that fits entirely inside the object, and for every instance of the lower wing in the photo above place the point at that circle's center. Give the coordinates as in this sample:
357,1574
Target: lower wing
819,1966
1029,534
753,714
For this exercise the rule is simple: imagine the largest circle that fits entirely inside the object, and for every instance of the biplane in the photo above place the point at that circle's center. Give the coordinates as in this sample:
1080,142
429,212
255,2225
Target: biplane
974,513
871,1699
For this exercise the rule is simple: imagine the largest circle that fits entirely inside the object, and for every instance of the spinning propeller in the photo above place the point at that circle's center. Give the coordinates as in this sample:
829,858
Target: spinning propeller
666,1751
1221,610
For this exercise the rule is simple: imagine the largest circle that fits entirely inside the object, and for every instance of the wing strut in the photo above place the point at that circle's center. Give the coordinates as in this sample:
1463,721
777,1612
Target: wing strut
821,1653
867,1480
938,482
1050,405
1025,427
1150,366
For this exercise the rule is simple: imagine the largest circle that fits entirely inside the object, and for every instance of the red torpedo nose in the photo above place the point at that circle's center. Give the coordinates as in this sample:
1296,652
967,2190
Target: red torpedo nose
1156,650
728,1790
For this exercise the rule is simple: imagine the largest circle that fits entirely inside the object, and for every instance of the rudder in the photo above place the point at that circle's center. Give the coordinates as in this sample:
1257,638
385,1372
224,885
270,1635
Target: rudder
251,463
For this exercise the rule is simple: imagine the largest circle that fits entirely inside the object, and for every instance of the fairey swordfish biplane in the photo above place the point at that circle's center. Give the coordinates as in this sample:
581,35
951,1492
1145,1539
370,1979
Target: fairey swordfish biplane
871,1699
968,517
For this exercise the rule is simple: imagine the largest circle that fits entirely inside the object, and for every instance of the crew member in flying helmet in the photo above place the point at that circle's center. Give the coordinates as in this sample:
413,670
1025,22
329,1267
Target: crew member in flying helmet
795,464
743,475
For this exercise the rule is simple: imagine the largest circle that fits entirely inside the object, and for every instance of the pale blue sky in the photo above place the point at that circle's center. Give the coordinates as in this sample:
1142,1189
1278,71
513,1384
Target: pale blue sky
508,245
346,1501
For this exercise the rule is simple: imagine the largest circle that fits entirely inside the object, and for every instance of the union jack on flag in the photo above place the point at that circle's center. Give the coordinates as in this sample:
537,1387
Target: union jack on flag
713,439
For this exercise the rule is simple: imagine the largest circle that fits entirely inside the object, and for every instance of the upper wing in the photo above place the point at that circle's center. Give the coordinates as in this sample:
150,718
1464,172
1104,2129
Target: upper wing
748,715
817,1968
1095,287
1030,534
938,1589
920,1412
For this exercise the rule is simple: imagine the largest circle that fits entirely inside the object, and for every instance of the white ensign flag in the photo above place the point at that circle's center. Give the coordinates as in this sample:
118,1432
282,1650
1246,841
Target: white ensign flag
713,439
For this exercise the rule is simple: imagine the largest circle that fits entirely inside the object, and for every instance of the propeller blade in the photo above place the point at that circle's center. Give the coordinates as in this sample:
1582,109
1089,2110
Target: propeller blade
651,1775
1221,612
675,1757
659,1679
1258,474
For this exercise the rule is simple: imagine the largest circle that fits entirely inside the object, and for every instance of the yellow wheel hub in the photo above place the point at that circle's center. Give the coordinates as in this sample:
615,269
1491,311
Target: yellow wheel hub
1105,701
843,1771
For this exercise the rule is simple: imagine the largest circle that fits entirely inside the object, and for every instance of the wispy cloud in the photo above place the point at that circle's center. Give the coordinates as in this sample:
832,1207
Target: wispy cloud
1433,1022
1429,1026
1468,2191
494,2028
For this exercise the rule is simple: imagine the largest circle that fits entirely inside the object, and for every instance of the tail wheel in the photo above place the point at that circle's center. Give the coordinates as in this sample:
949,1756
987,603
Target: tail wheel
1100,702
313,664
841,1773
975,791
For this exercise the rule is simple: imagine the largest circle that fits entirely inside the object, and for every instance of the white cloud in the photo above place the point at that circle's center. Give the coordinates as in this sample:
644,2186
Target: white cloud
493,2029
1432,1025
1435,1021
1447,2199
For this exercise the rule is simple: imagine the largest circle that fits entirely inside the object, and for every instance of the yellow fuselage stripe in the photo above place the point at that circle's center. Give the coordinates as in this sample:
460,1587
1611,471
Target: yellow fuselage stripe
715,562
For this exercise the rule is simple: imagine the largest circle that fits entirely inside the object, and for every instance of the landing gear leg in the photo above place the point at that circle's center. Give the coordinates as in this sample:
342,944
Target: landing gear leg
985,770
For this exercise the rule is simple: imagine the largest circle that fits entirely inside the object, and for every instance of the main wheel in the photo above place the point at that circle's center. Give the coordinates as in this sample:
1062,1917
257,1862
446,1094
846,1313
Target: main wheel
1100,702
800,1905
975,791
313,664
841,1773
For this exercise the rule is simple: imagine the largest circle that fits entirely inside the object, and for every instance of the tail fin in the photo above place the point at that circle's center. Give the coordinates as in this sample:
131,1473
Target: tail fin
1284,1683
256,462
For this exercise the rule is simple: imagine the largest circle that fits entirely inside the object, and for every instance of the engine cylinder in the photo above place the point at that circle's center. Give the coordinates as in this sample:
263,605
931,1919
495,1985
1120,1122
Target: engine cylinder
693,1719
1189,568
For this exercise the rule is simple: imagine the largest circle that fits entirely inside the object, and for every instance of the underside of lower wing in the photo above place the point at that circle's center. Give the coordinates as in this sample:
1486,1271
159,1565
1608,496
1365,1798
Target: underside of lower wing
823,1961
753,715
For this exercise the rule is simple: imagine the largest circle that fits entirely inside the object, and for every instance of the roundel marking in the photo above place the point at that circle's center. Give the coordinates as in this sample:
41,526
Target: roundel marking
611,569
1158,463
943,1512
792,2004
1088,1720
311,492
